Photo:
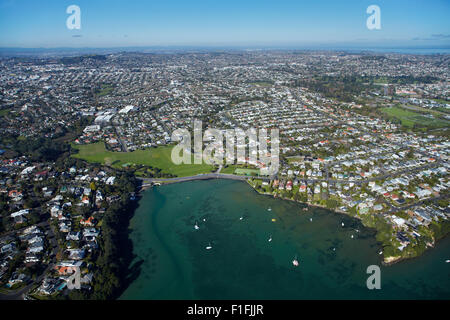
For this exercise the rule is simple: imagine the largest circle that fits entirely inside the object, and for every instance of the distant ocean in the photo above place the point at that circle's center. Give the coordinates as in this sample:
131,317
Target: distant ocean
424,51
11,52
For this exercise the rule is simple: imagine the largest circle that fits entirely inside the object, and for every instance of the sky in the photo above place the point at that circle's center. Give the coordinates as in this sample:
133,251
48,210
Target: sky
120,23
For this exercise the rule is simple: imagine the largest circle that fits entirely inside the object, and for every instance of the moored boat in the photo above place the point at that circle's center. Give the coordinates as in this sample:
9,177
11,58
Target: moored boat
295,262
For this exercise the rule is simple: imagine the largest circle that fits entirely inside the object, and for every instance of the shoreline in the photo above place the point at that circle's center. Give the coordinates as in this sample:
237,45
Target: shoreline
391,259
126,242
293,214
385,261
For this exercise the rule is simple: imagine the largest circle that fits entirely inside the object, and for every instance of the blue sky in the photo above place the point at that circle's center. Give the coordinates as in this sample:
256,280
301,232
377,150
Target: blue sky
112,23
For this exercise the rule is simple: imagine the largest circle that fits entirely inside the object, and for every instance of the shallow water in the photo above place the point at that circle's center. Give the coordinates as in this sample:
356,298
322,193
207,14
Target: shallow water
243,264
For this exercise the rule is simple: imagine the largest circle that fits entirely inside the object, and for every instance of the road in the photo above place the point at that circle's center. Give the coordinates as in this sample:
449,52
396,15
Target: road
409,206
119,137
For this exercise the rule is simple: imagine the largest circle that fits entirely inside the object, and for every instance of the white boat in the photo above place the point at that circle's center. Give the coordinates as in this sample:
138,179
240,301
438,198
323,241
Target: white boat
447,261
270,209
295,262
196,227
351,236
270,239
208,247
310,219
342,224
241,218
381,252
204,220
334,249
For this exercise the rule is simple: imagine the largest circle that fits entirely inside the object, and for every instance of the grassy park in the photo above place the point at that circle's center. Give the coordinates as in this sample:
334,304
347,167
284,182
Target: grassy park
239,170
105,90
159,157
410,118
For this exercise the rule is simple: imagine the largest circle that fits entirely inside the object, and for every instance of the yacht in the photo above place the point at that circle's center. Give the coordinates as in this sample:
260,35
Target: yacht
196,227
342,224
270,209
295,262
270,239
241,218
208,247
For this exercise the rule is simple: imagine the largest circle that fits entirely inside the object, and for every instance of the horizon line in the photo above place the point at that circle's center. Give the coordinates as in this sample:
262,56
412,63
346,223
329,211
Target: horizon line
239,46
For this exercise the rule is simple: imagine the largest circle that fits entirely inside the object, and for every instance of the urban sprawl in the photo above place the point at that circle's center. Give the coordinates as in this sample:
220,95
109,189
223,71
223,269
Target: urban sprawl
362,134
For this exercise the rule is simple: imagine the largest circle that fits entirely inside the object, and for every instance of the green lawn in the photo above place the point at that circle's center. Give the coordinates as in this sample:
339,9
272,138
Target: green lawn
261,83
294,159
105,90
409,118
4,112
247,172
442,110
382,80
423,110
229,170
239,170
159,157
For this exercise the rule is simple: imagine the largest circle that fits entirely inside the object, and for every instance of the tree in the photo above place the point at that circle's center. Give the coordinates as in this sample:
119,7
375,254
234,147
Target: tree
85,212
30,203
410,154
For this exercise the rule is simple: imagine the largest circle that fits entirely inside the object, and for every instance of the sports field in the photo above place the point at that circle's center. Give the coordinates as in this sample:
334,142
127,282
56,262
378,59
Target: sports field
105,90
159,157
246,172
410,118
239,170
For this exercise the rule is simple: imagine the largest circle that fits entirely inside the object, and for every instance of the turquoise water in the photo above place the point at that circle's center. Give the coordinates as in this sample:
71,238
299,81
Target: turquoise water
173,263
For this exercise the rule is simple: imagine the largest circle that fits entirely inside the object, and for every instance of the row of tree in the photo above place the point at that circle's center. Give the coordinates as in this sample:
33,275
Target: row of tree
112,264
